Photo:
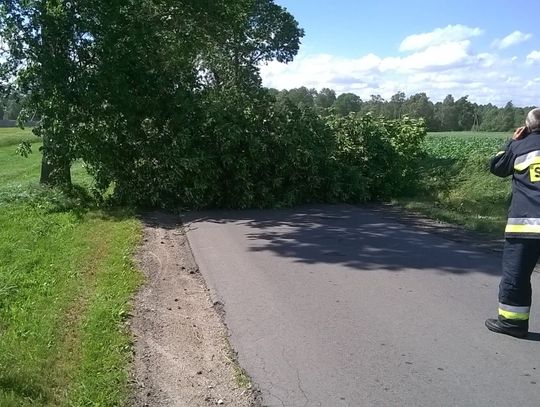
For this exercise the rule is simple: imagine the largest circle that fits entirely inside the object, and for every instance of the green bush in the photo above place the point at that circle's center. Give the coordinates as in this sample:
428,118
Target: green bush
376,158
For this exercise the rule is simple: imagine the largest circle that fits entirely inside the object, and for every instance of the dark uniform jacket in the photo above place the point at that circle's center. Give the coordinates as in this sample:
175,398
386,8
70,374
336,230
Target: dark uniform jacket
521,159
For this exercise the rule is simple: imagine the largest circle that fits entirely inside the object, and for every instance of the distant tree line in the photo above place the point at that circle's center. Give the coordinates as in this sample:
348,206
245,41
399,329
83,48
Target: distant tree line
448,115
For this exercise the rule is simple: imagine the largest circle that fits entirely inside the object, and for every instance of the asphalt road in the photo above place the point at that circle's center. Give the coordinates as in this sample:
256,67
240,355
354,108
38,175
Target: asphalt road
340,306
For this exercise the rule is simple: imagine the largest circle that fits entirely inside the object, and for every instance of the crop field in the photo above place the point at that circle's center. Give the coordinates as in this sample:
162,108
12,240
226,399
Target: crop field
66,277
455,184
469,134
461,145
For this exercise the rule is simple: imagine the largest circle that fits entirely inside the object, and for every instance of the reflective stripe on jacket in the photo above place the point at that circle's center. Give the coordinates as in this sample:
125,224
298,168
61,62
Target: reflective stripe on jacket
521,159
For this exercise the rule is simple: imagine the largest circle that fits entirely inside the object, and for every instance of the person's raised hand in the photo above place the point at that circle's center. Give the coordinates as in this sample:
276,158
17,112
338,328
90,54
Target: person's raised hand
520,133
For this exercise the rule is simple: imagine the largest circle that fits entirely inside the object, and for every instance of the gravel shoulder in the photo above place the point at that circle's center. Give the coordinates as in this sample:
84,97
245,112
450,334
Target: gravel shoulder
182,354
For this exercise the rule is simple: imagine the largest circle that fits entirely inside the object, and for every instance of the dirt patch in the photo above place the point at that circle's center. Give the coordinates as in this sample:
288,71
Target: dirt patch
182,353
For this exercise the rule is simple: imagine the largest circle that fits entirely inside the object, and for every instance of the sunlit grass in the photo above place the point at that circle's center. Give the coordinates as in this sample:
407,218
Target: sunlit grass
12,136
66,277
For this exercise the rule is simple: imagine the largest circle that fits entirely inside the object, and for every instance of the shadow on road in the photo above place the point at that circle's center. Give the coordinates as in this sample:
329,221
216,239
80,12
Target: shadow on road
162,219
356,237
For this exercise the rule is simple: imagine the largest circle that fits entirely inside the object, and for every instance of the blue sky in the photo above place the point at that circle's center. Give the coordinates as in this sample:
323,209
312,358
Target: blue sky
487,50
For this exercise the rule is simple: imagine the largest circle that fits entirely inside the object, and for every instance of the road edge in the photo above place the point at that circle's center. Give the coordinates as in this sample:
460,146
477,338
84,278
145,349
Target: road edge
182,352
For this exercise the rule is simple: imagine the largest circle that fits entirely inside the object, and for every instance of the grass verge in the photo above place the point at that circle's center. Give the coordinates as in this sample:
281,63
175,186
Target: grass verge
66,279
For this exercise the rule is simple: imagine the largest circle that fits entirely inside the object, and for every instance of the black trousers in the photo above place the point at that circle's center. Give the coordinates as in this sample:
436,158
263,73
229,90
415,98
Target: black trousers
519,259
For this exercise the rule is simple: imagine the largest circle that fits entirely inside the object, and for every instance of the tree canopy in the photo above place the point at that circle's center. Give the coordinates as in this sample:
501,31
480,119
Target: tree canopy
107,76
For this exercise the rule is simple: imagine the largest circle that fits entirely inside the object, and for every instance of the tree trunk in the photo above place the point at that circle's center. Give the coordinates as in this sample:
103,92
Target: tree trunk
54,175
46,170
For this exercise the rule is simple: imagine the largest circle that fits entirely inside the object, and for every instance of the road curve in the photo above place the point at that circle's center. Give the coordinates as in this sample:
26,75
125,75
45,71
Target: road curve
341,306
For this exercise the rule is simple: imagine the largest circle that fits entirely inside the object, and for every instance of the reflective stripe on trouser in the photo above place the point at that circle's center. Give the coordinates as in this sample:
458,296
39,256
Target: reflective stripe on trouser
523,226
515,292
514,313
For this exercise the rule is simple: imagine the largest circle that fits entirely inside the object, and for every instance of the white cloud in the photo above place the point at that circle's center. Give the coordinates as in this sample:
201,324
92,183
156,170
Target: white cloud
321,70
533,57
315,70
487,60
442,56
514,38
437,69
451,33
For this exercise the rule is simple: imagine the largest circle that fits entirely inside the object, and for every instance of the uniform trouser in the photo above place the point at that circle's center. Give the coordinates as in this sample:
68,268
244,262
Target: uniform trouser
515,292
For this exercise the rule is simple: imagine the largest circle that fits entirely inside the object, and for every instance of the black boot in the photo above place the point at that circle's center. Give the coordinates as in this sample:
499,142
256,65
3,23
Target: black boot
518,329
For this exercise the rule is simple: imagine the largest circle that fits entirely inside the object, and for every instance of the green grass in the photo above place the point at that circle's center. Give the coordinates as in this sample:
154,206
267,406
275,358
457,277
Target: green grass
18,172
12,136
456,185
66,278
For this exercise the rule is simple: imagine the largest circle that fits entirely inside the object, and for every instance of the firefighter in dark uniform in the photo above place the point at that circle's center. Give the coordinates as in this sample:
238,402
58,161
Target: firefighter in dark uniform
521,159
